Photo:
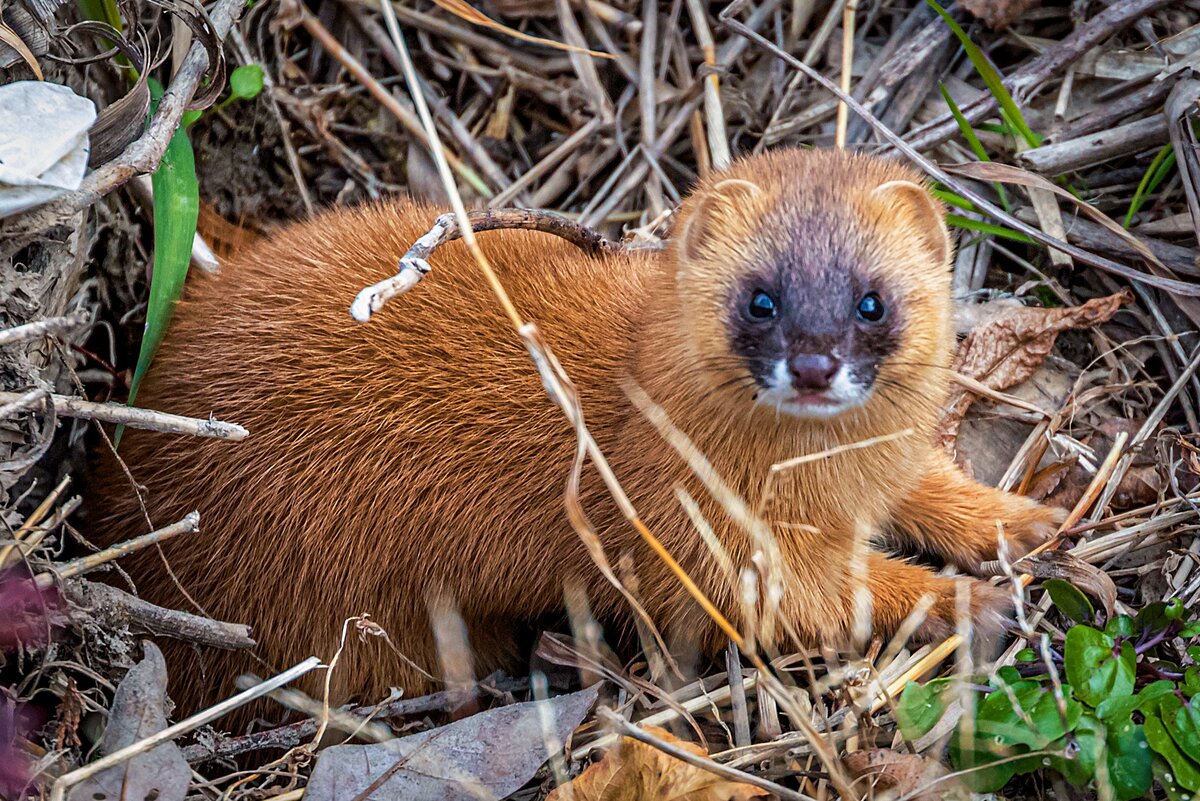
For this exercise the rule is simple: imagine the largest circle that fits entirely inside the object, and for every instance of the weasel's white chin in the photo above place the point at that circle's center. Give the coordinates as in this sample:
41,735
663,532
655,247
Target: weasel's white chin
817,410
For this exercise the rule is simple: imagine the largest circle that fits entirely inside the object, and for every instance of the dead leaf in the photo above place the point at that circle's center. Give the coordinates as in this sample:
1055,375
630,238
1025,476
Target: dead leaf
997,14
1008,174
880,770
138,711
489,755
1009,347
1062,565
635,771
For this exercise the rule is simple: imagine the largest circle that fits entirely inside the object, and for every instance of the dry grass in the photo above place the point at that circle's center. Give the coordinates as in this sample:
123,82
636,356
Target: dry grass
1106,428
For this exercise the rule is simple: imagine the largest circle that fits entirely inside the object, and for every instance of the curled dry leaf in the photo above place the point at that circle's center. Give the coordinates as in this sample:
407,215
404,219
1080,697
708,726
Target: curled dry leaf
138,711
489,755
1010,346
635,771
880,772
1062,565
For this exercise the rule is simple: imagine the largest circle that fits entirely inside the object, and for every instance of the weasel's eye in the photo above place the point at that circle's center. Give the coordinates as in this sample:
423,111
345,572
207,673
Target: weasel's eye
762,306
871,308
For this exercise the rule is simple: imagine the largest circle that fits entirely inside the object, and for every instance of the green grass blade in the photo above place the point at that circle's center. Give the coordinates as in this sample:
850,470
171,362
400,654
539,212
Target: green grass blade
967,131
991,78
987,228
972,139
102,11
952,198
176,209
1160,168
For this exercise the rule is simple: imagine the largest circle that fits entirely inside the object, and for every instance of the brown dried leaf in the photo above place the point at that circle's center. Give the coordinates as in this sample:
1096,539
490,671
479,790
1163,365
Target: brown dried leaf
1062,565
1010,346
11,38
635,771
488,755
997,14
877,771
159,774
1008,174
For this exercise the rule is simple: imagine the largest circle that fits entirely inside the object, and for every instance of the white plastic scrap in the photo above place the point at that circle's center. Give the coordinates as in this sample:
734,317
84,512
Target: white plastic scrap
43,143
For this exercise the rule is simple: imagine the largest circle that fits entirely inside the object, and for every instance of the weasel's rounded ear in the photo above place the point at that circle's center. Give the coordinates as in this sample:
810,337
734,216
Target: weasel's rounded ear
921,211
721,211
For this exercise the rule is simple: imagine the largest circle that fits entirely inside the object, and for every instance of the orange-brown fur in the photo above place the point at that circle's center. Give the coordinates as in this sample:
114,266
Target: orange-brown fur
418,454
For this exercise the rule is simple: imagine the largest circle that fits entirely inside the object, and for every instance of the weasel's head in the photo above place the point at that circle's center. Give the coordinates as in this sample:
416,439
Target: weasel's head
815,283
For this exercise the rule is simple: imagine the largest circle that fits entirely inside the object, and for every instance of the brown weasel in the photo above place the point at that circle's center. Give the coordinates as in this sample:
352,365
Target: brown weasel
803,303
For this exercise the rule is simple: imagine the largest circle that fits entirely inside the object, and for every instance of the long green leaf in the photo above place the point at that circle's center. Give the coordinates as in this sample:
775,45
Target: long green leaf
1159,169
972,139
952,198
176,209
991,78
987,228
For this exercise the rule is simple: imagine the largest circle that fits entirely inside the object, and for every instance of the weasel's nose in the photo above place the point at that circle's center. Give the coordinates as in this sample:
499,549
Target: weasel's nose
812,371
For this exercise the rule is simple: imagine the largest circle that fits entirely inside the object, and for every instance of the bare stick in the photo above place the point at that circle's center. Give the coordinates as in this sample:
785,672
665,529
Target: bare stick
188,525
68,780
146,419
51,325
114,608
414,265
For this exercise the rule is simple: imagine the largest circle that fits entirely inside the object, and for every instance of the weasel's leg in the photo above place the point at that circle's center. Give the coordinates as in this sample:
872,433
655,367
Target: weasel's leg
960,519
897,588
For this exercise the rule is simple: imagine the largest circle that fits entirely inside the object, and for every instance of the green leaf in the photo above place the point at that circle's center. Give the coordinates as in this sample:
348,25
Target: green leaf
977,757
952,198
176,209
959,221
246,81
1184,727
972,139
1166,780
1160,167
1174,609
1093,670
1069,600
1118,710
1191,681
1129,761
1151,618
1185,771
1120,626
921,707
1026,655
1080,752
991,78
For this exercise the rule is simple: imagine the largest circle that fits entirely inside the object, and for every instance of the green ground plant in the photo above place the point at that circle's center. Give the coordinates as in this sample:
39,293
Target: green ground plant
1111,705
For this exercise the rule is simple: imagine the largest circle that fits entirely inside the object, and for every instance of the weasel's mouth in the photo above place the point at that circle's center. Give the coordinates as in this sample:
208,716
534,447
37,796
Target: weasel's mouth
813,399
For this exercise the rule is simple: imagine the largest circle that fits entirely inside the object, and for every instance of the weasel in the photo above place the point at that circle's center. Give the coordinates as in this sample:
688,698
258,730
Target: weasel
802,304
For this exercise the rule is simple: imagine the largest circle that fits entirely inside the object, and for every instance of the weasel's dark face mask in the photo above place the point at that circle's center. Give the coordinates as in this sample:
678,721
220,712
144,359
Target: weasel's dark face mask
814,325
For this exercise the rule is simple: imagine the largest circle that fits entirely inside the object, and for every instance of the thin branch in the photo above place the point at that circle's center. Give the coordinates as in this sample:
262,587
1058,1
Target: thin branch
414,264
145,419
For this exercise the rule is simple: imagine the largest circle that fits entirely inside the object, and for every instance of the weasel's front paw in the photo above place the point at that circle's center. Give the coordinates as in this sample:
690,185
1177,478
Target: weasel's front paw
990,609
1028,525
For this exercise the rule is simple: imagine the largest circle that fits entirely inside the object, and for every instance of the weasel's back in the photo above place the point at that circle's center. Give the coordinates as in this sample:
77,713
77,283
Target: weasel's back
385,460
